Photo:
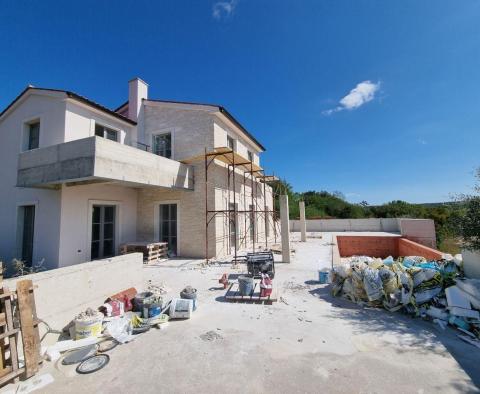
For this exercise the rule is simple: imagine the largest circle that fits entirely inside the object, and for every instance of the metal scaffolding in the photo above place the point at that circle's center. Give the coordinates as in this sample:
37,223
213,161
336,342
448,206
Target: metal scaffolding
253,174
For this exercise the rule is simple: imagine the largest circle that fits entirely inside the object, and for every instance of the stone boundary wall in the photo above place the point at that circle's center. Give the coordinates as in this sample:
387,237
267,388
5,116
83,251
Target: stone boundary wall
341,225
62,293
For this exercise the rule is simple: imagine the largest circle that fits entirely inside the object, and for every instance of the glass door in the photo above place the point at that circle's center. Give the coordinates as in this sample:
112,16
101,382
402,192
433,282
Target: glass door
103,231
168,227
28,224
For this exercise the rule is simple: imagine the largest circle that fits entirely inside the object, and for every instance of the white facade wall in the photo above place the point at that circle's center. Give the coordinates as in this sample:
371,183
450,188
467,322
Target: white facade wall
76,214
80,123
60,232
51,112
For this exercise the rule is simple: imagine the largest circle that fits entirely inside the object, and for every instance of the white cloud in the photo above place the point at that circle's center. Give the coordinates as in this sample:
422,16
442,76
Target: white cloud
361,94
421,141
223,9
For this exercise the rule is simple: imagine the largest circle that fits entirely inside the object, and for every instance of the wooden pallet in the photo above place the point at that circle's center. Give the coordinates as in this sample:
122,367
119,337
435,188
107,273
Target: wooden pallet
152,251
10,369
233,295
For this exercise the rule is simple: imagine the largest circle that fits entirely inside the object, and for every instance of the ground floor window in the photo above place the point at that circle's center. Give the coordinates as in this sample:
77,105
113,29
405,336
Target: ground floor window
103,231
168,226
26,226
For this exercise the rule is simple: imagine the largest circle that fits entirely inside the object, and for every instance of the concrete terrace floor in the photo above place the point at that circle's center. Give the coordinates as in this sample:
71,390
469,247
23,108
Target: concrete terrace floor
308,343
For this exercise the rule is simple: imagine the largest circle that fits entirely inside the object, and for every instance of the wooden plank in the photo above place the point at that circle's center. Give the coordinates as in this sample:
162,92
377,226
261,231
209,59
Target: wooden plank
11,376
36,330
29,338
12,341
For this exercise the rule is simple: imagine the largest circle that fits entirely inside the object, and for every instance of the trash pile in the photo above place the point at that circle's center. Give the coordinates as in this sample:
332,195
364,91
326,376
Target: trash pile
434,290
119,320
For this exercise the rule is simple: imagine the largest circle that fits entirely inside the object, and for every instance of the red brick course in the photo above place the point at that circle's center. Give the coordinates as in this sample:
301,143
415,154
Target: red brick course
378,246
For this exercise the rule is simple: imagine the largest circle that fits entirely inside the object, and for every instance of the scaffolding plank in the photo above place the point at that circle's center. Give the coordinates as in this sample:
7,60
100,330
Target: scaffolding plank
29,338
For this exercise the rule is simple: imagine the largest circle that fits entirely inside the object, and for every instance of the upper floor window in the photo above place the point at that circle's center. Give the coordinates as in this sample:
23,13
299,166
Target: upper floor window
230,143
162,145
105,132
250,156
32,135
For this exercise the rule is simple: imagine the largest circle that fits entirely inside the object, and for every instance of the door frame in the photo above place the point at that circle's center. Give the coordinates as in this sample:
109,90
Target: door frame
156,221
118,218
18,239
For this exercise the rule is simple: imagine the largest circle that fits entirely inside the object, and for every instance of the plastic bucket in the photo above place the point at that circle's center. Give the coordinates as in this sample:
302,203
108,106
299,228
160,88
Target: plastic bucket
323,277
142,299
245,285
88,328
189,293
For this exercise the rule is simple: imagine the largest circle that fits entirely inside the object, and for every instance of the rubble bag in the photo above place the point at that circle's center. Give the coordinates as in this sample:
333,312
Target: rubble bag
373,284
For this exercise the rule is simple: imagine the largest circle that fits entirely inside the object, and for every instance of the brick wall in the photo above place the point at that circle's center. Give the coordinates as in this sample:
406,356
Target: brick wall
374,246
407,247
378,246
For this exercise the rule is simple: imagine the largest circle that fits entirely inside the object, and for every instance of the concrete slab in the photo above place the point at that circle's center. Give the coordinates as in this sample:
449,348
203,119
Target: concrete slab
307,342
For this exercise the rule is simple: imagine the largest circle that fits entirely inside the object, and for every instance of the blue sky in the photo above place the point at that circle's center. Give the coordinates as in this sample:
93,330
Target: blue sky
286,70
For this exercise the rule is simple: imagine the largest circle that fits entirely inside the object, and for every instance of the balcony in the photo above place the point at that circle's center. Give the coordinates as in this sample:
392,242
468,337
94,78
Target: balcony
98,160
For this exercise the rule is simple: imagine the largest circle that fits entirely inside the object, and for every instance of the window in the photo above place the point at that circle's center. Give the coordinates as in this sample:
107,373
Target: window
230,143
162,145
105,132
250,156
26,225
31,139
103,231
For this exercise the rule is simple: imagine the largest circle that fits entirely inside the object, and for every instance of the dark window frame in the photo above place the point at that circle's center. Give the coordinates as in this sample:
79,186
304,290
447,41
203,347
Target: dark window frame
165,151
106,132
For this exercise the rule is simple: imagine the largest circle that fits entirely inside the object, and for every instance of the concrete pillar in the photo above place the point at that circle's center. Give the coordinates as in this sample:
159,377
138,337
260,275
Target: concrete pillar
285,228
303,223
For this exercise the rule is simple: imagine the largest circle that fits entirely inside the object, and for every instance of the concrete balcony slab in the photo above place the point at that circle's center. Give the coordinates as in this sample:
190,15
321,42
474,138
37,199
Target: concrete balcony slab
96,159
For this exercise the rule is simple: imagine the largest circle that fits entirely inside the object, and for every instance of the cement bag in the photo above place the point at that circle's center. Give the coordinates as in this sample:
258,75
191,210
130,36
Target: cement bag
421,275
389,280
348,290
376,263
373,284
358,287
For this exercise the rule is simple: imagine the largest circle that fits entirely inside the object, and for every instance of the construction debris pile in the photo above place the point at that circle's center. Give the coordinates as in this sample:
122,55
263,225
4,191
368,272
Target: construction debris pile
119,320
430,289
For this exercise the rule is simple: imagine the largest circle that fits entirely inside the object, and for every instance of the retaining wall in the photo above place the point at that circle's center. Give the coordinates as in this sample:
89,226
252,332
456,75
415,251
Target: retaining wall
62,293
375,246
341,225
407,247
379,246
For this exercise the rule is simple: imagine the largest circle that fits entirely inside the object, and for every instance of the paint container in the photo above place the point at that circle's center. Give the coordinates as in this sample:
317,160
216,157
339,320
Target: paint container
88,327
245,285
152,310
189,293
142,299
323,277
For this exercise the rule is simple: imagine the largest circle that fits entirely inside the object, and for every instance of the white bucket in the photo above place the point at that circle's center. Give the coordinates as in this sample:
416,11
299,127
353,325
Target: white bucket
85,328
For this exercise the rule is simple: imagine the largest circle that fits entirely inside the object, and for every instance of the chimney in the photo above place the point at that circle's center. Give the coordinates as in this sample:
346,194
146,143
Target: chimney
137,90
